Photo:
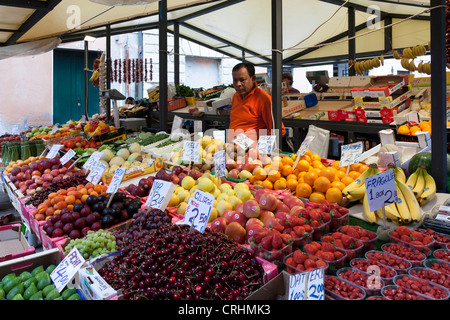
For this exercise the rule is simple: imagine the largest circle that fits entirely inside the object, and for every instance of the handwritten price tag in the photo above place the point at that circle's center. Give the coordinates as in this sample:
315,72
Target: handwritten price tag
69,155
92,159
54,151
67,268
350,154
191,151
307,285
219,164
198,210
297,286
54,130
381,189
302,150
116,180
160,194
243,141
96,173
265,144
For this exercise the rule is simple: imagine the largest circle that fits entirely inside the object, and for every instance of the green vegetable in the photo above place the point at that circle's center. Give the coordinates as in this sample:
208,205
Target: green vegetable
32,289
36,270
8,286
25,276
30,281
50,268
37,296
75,296
18,297
53,295
19,289
68,292
48,289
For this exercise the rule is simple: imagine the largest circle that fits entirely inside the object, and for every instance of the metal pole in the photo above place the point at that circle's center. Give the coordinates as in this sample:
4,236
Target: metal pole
351,42
176,50
86,79
277,65
108,71
163,65
438,96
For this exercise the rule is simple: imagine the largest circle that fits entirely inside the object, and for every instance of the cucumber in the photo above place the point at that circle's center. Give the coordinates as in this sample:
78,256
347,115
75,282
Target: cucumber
32,289
11,284
30,281
25,275
48,289
45,281
37,296
19,289
68,292
75,296
53,295
36,270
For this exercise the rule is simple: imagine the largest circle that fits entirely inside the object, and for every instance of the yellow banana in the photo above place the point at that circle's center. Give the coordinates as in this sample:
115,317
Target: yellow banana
419,67
391,213
370,216
429,192
356,194
411,181
420,183
402,206
357,69
94,76
396,55
423,50
415,211
405,53
412,66
360,180
405,63
382,60
399,174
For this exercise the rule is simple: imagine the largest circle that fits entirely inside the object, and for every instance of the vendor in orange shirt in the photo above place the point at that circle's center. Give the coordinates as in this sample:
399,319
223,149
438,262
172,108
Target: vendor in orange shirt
251,107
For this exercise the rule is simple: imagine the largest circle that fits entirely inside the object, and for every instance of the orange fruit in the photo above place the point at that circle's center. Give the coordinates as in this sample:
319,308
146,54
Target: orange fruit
315,157
267,184
338,184
274,175
317,164
317,197
94,193
333,195
279,185
321,184
308,152
303,190
291,176
306,157
363,167
354,174
287,161
83,198
335,164
328,173
310,177
413,130
70,199
291,184
347,180
260,174
286,170
403,129
355,166
303,165
258,183
340,174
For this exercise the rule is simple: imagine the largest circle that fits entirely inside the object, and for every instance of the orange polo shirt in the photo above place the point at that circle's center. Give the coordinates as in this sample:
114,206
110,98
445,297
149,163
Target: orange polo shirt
251,114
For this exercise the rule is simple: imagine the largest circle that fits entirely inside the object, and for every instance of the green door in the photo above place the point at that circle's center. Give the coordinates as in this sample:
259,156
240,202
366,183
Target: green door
68,85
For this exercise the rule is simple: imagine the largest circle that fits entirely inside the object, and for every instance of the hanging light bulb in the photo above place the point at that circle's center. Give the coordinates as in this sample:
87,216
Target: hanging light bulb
123,2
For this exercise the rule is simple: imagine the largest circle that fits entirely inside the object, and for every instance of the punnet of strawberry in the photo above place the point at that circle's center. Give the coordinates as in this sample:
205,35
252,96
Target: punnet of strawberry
413,238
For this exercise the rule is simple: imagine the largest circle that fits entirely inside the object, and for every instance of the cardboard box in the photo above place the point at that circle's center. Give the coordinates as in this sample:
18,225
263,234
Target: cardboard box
290,107
381,86
93,286
29,262
153,94
210,106
388,102
13,244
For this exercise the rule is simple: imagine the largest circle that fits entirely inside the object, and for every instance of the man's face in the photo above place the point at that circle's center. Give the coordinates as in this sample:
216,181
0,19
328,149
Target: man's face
242,82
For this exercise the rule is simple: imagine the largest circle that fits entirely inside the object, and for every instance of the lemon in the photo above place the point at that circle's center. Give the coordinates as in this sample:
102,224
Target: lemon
188,182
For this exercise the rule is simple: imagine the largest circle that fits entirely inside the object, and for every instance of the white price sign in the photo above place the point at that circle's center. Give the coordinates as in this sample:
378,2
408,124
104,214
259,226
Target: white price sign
307,285
96,173
67,268
54,151
69,155
265,144
350,153
302,150
191,151
92,159
54,130
243,141
219,164
198,210
160,194
381,189
116,180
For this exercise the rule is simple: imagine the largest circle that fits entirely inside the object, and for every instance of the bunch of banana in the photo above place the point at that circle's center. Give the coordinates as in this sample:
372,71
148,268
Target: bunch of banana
367,65
356,190
396,55
422,185
424,67
95,76
399,174
419,50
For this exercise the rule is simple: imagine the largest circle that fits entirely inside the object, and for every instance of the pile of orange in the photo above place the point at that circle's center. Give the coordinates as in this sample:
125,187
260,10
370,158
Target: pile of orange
310,179
411,129
66,198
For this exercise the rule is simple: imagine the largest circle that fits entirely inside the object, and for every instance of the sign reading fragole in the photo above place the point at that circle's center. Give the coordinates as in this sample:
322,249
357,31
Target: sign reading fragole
198,210
381,189
350,153
160,194
67,269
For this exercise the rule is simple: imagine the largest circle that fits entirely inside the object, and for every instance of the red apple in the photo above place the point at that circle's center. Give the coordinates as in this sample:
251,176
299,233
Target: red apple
240,207
233,174
219,224
297,210
281,207
260,192
251,209
253,221
236,232
292,201
265,214
268,201
253,229
238,217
